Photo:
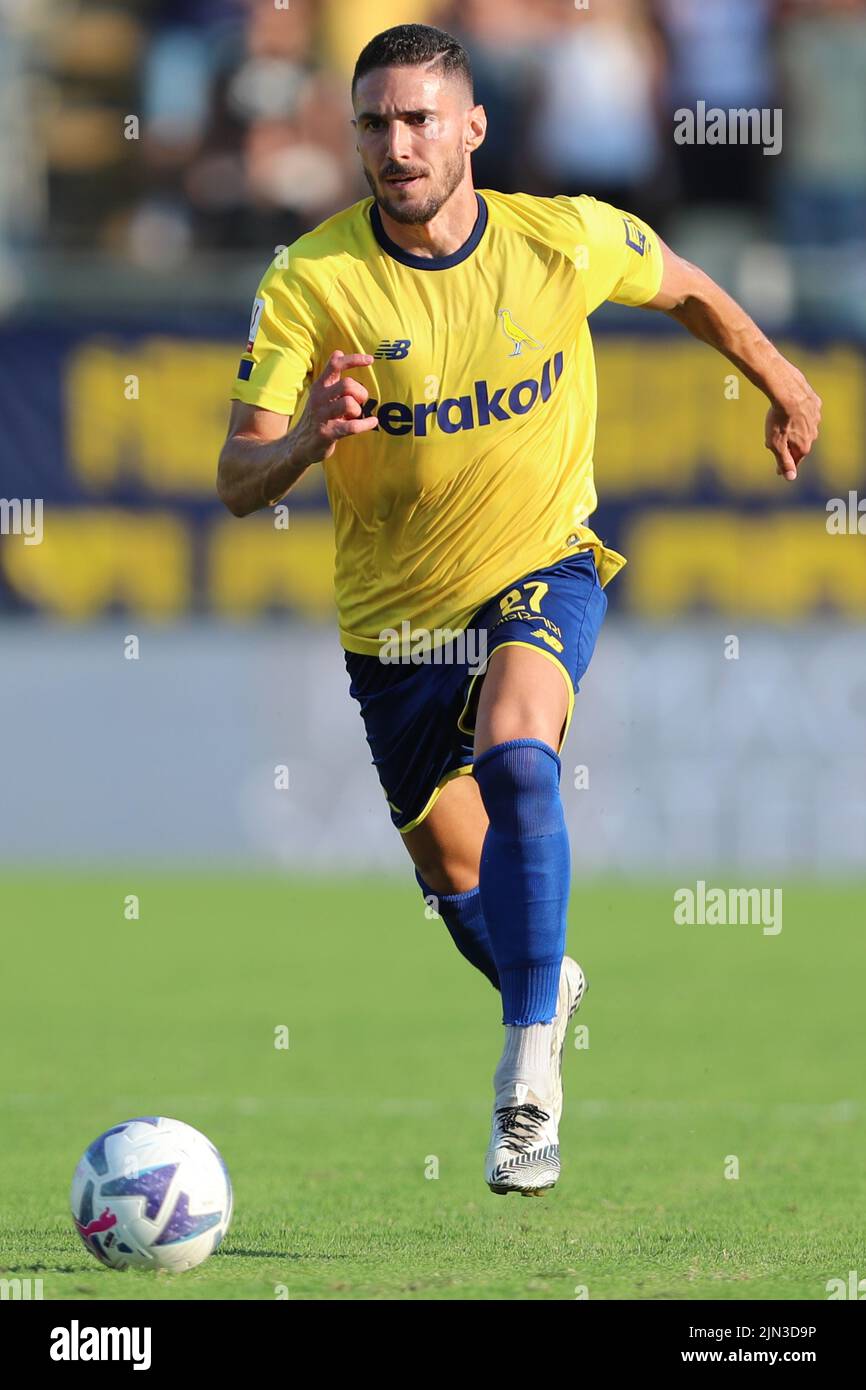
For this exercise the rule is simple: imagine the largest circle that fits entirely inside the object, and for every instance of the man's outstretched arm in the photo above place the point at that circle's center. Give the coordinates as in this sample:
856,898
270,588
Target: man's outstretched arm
688,295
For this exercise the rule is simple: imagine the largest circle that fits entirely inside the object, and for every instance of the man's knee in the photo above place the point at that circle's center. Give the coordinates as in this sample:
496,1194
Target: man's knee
446,846
448,873
519,782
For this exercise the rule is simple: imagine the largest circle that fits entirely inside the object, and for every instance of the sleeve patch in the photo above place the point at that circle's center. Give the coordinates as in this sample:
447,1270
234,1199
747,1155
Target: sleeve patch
255,317
634,237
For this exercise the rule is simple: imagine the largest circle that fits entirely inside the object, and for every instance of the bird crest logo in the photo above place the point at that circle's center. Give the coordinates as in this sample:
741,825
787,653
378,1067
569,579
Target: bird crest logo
518,336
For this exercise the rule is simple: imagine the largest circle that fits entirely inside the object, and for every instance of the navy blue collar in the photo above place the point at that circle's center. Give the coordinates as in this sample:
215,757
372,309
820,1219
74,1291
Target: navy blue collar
429,262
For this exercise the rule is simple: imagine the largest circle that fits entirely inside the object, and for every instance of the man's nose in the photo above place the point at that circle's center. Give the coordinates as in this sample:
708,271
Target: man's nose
399,145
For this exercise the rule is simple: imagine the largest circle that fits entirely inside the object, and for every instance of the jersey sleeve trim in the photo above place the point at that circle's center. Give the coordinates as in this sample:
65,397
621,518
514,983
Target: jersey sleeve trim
267,400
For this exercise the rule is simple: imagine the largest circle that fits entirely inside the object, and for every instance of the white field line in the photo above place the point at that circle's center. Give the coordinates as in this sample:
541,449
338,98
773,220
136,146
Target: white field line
834,1112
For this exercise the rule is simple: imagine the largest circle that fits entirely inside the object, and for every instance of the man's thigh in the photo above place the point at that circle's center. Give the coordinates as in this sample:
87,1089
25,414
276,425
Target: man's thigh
541,635
425,724
523,696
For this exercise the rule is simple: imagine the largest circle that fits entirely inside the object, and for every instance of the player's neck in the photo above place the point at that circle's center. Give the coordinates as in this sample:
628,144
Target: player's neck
443,234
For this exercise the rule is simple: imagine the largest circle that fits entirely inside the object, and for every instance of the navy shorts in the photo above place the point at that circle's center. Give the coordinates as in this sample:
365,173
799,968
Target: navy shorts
420,718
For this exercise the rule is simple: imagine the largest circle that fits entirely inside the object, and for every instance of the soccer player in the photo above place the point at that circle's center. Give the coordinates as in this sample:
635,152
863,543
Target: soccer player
429,348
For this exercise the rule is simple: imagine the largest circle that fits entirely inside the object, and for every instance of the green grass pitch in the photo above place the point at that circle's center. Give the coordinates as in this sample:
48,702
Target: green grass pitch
704,1042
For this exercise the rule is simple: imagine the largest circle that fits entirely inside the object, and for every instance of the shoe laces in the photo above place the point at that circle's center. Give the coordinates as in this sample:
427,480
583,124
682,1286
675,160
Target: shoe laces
518,1125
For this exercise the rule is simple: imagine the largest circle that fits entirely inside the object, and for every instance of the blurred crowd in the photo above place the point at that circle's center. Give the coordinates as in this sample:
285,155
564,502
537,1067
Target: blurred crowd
153,130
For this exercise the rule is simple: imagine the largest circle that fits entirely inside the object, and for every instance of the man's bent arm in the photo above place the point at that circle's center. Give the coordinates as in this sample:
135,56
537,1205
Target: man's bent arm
688,295
261,459
259,462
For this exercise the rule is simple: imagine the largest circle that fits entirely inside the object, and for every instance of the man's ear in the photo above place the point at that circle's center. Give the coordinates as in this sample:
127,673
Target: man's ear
476,128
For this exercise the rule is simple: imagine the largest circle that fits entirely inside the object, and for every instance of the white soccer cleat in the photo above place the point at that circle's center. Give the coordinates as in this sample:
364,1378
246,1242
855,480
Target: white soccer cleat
572,987
523,1155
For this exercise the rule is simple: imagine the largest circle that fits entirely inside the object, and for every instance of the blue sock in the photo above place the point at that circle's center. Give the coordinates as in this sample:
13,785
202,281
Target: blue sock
525,875
464,918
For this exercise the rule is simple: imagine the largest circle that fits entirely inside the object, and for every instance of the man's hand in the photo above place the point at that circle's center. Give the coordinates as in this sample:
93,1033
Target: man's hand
688,295
334,409
792,427
262,459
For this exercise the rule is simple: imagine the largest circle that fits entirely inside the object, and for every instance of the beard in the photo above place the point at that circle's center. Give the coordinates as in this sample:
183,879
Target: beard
450,179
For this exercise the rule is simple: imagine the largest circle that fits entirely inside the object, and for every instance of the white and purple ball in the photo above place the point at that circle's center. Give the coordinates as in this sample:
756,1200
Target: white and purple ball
152,1193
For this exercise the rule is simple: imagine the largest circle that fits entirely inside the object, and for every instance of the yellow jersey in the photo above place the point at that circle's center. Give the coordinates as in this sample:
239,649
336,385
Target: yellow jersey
483,383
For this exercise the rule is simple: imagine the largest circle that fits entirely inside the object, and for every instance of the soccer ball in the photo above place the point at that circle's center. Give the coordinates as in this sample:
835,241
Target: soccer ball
153,1193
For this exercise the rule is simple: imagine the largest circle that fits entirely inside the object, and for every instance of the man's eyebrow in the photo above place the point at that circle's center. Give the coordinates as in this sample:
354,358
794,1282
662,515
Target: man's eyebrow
378,115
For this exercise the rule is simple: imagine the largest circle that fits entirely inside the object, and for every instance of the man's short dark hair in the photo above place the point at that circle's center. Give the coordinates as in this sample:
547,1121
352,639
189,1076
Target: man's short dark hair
412,45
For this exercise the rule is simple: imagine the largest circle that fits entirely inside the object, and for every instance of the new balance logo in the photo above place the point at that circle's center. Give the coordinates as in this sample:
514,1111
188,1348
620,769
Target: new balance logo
551,641
394,352
457,413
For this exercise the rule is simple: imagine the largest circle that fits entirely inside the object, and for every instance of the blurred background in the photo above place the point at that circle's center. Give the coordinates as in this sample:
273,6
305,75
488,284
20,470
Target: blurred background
155,155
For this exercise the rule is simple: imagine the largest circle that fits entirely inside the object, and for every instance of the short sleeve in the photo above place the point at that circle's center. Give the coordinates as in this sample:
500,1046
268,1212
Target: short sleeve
622,258
280,348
